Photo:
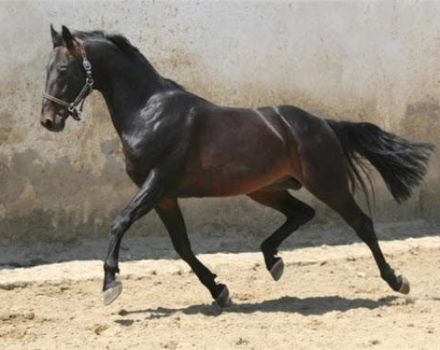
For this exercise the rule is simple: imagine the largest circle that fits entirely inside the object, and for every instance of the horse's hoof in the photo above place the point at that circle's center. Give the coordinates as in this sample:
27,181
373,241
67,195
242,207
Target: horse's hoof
404,285
277,269
223,298
112,293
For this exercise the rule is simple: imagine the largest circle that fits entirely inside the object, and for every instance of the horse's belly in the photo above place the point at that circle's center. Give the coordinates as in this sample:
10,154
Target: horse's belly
231,179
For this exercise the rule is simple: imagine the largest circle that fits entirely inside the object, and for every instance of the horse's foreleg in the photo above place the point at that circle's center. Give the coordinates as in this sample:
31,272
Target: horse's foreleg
169,211
297,213
141,204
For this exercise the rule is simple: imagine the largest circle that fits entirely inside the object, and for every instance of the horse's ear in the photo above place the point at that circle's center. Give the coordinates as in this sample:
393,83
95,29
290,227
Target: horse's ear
57,40
68,38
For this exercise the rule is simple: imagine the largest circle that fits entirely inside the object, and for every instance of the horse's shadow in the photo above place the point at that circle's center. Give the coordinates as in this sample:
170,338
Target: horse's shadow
303,306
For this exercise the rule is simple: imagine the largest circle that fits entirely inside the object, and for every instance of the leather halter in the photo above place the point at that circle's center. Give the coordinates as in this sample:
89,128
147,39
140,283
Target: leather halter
81,97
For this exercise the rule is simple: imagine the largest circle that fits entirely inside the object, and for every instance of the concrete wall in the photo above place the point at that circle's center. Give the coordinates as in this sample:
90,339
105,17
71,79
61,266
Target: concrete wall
368,61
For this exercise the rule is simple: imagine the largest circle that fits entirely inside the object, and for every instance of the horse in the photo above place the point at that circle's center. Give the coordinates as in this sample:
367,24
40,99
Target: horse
178,145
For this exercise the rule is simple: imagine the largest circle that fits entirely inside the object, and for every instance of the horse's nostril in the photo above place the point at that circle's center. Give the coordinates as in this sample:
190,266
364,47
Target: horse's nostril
47,123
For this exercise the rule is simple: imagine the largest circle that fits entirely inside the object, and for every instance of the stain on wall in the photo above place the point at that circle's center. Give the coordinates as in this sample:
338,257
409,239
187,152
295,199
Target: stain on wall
366,61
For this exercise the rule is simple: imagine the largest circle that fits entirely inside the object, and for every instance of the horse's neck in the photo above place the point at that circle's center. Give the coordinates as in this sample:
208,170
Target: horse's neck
126,93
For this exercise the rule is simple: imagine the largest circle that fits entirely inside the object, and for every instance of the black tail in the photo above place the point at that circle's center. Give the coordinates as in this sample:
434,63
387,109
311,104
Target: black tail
401,163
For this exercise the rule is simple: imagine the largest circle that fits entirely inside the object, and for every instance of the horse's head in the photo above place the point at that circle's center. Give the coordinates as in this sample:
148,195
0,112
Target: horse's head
68,80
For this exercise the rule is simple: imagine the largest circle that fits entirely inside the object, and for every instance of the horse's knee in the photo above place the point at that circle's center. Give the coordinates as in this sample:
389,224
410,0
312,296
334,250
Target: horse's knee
120,224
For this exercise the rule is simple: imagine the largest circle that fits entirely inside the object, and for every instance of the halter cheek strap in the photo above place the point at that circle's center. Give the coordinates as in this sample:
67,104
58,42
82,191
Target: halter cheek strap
71,107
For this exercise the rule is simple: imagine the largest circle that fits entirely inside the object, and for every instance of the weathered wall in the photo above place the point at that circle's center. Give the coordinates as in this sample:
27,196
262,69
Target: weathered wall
360,61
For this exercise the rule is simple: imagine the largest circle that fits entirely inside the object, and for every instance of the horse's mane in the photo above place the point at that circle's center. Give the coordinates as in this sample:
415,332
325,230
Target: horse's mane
123,44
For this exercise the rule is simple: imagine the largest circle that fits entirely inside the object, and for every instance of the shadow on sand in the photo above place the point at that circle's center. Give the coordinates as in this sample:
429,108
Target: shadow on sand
303,306
158,246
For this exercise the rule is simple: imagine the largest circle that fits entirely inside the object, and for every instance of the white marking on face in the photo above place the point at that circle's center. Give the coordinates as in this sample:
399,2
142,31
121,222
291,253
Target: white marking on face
271,127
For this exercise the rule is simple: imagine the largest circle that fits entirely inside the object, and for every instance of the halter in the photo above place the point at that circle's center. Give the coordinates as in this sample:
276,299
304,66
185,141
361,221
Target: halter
85,91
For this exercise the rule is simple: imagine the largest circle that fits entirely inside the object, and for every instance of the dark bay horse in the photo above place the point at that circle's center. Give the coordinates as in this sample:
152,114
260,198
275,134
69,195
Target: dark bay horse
177,144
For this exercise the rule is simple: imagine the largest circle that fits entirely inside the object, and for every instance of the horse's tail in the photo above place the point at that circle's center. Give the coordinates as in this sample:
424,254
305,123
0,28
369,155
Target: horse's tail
401,163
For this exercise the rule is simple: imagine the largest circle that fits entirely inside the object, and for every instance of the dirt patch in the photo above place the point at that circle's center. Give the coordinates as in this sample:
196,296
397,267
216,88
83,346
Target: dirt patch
328,298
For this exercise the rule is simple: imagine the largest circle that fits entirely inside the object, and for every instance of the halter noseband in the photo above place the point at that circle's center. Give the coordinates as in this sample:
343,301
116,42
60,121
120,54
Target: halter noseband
79,100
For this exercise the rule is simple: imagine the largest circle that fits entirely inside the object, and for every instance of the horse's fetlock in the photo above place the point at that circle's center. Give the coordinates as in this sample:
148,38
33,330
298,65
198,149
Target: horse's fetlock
267,248
112,268
388,274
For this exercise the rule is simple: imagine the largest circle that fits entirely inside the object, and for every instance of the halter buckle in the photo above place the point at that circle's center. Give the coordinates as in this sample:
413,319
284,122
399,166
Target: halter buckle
87,65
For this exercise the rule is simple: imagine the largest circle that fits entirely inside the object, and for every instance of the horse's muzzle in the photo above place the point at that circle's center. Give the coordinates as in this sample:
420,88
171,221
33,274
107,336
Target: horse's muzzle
53,123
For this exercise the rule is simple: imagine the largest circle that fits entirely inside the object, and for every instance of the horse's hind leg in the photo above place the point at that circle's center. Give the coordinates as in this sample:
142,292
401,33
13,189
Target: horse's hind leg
341,200
297,213
170,214
324,173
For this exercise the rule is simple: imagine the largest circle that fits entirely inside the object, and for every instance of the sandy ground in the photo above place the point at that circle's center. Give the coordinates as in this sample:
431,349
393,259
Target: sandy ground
328,298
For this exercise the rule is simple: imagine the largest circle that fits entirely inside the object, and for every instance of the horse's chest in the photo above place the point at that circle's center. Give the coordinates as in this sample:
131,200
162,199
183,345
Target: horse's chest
140,157
141,144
